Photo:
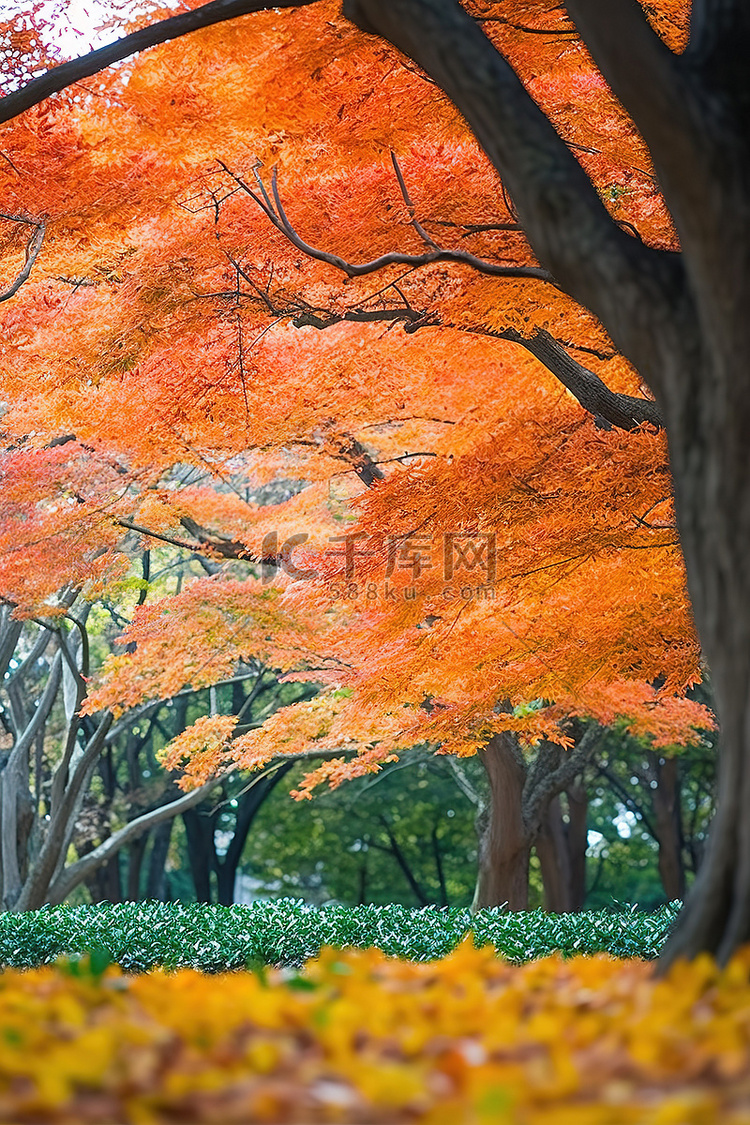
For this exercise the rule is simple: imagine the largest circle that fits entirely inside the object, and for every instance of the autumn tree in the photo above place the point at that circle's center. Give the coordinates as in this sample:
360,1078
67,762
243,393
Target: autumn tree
670,796
665,311
49,755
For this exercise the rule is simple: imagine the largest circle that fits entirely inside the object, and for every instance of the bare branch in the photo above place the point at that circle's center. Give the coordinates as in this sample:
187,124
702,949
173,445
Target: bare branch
625,412
204,540
276,214
33,246
68,73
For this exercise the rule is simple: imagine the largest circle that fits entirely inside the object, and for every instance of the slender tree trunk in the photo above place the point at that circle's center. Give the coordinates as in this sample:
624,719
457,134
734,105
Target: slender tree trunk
503,875
104,885
247,810
136,852
226,874
199,830
552,848
578,842
397,852
436,851
156,883
668,822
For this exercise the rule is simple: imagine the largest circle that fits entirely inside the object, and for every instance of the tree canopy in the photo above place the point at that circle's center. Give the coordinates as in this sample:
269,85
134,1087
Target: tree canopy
298,263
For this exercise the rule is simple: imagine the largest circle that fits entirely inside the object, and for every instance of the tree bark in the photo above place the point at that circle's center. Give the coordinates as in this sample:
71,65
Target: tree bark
199,829
561,848
668,824
247,810
156,884
504,845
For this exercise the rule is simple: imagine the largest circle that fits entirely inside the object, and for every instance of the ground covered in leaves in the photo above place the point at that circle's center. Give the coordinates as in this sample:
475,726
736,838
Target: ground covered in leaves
357,1037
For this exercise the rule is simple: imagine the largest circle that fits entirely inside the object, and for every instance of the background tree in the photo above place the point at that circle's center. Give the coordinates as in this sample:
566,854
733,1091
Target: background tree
668,798
49,759
404,835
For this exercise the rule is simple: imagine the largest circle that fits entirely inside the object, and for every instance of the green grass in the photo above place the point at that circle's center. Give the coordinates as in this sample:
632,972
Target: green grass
141,935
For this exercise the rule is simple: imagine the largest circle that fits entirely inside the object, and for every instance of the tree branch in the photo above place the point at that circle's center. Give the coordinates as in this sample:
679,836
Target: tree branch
77,872
623,411
617,277
33,246
277,216
60,829
538,793
204,540
60,77
646,76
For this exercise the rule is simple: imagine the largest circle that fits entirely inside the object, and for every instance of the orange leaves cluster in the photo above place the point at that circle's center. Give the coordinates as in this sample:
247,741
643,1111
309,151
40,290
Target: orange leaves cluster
46,522
196,638
585,610
363,1038
167,326
203,745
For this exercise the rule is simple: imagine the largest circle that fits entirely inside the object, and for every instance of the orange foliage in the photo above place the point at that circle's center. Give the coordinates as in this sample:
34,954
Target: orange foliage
179,336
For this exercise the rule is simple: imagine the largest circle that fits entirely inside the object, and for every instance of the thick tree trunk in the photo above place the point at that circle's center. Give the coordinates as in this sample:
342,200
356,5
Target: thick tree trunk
503,874
716,539
709,434
682,319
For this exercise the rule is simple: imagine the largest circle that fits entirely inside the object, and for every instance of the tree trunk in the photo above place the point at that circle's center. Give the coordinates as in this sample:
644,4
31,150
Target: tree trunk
136,852
551,847
681,319
226,875
105,885
247,809
362,884
668,823
561,848
199,829
503,875
156,884
578,842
